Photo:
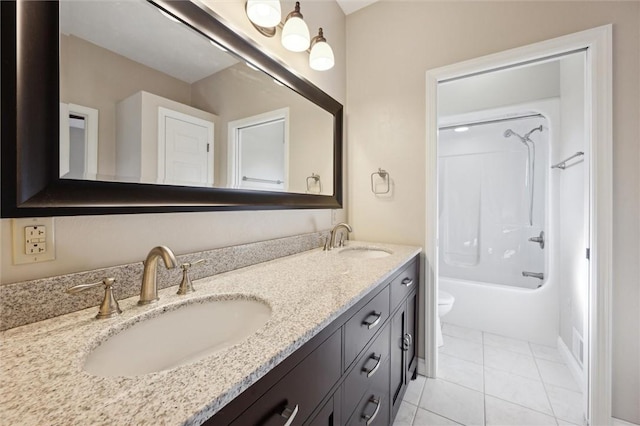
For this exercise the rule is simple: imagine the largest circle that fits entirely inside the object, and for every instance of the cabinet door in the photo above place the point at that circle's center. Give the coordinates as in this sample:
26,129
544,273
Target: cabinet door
397,363
411,354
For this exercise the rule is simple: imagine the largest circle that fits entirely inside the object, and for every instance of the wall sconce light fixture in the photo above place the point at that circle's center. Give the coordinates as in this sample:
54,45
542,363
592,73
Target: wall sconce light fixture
321,56
265,16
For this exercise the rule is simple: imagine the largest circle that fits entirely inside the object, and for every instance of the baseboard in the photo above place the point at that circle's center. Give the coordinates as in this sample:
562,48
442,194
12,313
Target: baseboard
570,361
620,422
422,367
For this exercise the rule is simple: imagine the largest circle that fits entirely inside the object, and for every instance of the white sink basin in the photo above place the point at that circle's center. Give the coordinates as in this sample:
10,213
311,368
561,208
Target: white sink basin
364,252
177,337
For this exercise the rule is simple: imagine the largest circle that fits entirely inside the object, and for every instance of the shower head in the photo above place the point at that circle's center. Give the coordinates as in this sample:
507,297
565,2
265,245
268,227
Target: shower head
510,132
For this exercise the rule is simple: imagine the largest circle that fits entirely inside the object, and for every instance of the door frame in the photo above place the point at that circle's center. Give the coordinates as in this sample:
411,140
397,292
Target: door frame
598,107
91,116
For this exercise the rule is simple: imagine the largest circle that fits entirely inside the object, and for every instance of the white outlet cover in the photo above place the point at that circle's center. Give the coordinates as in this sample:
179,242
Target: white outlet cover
19,255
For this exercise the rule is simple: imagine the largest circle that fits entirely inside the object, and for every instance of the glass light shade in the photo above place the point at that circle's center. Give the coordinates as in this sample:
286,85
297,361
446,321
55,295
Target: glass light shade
295,35
264,13
321,57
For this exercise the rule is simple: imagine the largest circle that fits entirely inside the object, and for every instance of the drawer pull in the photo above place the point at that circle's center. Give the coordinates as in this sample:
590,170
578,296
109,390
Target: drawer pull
375,367
375,322
371,418
289,414
407,282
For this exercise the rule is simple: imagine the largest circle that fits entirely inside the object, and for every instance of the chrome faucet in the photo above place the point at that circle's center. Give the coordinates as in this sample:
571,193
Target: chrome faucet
149,289
331,242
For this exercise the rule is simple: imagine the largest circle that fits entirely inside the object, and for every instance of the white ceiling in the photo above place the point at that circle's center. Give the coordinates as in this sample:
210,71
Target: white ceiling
350,6
136,30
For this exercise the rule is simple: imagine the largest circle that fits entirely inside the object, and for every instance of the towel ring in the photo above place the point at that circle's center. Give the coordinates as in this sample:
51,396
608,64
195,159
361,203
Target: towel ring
385,176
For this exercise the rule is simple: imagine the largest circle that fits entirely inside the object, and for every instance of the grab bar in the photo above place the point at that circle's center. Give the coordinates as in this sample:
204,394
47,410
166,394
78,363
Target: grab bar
278,181
538,275
563,164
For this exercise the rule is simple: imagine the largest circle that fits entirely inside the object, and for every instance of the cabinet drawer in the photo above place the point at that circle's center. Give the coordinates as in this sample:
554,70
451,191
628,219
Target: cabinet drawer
403,284
368,368
300,391
373,407
364,324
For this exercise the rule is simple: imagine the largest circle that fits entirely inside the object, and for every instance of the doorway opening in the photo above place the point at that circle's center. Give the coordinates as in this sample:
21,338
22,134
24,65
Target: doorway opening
488,202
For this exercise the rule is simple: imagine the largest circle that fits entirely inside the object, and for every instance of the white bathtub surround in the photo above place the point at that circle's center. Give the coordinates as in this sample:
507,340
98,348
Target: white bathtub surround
517,383
305,291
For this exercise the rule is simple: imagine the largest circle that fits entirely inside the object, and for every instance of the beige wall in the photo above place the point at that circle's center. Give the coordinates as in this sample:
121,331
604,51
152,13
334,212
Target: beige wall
392,44
89,242
99,78
239,92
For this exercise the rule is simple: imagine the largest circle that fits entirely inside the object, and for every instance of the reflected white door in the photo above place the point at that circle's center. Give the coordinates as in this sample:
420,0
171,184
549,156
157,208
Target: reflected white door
259,151
187,156
261,161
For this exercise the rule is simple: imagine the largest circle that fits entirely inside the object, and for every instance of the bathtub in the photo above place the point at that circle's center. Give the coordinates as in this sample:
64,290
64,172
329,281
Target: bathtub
520,313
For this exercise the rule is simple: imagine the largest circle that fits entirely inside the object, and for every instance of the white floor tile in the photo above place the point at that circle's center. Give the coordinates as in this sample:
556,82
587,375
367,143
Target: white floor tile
557,374
414,390
427,418
503,413
520,390
513,345
462,332
511,362
463,349
405,415
567,405
563,423
465,373
453,401
546,352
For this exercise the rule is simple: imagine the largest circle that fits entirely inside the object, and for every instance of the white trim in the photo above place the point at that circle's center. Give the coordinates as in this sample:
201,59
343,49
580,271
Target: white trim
597,41
163,113
572,364
619,422
91,116
233,159
422,367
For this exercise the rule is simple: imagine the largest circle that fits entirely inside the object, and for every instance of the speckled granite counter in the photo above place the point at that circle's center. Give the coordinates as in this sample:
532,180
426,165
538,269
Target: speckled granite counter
42,380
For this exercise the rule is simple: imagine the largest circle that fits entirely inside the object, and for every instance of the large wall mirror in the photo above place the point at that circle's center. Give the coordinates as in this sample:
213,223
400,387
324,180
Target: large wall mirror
141,106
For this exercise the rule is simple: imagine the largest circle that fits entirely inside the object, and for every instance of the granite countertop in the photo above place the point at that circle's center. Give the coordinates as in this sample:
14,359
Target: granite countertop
42,380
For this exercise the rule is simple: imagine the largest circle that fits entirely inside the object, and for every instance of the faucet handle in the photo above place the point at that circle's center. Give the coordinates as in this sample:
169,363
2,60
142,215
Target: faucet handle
185,285
109,307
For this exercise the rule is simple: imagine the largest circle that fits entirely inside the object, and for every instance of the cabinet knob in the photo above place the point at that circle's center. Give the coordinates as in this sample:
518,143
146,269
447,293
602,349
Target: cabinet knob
407,341
369,419
371,324
289,414
407,282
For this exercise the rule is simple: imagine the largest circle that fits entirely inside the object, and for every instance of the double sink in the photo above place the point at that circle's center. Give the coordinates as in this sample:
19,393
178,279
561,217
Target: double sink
179,334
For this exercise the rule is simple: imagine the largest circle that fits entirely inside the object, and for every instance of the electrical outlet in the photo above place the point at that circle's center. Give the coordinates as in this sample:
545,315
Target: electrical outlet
33,240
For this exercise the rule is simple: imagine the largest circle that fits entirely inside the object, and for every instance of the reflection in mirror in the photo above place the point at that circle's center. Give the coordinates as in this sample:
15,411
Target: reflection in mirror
167,97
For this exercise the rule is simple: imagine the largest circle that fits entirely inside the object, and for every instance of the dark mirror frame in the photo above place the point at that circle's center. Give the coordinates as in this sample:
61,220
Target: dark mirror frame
31,186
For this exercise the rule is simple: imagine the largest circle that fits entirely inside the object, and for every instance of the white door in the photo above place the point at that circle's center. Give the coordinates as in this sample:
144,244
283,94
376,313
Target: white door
259,151
185,149
262,154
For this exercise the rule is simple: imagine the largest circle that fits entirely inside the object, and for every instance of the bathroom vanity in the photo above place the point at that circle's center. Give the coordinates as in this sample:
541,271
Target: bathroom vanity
338,348
354,371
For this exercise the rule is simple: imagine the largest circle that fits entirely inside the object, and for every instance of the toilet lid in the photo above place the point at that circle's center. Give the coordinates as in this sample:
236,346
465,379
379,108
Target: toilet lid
445,298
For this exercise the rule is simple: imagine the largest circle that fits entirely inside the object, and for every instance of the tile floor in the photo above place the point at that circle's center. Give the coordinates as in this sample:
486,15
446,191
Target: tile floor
486,379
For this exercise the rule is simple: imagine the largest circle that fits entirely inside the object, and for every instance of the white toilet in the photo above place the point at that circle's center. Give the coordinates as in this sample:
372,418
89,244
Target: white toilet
445,303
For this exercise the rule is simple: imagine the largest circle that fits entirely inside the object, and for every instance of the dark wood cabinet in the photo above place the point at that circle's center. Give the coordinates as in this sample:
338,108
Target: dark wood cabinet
355,371
403,356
